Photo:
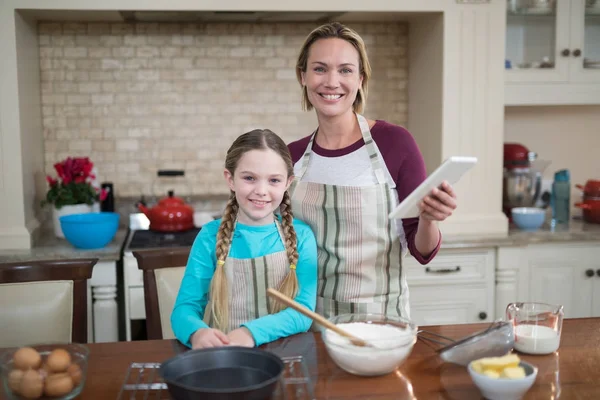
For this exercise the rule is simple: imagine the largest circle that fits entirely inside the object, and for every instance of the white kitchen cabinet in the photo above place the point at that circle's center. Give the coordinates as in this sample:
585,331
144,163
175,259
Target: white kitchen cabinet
563,273
456,287
552,55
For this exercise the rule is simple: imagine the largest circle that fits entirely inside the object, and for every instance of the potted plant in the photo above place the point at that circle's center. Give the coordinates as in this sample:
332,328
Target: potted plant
74,191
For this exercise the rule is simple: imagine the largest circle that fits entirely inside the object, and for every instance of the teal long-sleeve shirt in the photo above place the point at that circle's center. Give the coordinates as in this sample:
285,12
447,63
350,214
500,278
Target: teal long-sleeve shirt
248,242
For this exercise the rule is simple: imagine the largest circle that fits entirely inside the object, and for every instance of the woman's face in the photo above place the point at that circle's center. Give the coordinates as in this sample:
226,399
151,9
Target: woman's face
332,76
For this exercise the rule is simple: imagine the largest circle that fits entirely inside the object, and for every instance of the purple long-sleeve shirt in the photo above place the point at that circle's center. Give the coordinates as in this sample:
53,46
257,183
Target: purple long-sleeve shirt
403,160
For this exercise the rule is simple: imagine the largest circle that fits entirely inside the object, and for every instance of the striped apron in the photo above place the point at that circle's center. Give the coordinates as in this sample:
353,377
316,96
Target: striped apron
248,280
359,250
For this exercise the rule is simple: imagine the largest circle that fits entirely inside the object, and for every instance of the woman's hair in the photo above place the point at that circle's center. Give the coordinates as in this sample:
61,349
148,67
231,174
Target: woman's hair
335,30
258,139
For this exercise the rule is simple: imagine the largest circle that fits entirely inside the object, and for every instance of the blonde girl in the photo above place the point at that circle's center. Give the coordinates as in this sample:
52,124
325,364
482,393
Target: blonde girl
222,299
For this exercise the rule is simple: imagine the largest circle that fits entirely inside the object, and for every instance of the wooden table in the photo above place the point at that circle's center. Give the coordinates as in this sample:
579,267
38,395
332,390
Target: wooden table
571,373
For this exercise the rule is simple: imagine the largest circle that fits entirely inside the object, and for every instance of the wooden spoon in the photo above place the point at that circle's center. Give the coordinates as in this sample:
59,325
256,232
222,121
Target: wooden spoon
316,317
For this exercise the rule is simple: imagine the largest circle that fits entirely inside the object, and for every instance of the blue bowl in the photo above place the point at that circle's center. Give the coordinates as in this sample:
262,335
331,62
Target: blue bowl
91,230
528,218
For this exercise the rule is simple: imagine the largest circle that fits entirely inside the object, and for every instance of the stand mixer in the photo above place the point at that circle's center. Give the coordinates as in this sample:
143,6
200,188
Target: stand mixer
522,180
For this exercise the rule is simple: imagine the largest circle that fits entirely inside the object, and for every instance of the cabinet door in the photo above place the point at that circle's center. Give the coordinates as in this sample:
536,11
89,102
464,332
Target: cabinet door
560,275
537,42
596,296
441,306
585,42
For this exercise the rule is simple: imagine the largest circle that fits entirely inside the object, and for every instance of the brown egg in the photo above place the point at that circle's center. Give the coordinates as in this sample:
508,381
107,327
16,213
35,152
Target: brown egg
32,385
58,361
58,384
27,357
75,373
14,380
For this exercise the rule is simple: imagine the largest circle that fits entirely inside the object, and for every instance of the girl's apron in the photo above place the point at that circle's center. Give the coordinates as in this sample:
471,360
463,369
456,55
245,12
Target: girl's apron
248,280
359,250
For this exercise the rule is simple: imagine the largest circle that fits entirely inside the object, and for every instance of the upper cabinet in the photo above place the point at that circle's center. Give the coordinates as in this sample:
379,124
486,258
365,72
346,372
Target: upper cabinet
552,52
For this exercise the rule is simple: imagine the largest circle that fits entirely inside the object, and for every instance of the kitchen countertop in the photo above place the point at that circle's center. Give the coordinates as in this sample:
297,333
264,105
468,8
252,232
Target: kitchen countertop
577,231
49,247
572,372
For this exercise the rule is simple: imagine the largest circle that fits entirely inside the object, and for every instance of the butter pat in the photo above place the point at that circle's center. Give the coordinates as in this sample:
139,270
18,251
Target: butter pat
491,373
513,373
506,367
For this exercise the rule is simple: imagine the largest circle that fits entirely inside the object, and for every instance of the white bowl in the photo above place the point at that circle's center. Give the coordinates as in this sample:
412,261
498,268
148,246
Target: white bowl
503,388
385,355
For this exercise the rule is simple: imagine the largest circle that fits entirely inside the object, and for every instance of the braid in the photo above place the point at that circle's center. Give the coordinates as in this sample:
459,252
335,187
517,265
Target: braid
289,286
289,233
219,293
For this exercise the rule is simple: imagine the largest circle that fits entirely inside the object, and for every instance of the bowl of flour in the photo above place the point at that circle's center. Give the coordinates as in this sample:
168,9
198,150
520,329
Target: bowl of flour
391,340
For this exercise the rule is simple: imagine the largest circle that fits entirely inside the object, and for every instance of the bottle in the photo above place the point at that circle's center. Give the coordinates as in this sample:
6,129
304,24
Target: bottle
109,202
561,197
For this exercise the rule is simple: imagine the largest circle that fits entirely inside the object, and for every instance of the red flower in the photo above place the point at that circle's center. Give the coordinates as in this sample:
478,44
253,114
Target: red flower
103,194
74,184
51,181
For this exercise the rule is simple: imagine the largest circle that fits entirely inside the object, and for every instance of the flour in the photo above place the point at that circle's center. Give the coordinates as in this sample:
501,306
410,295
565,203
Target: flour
536,339
390,346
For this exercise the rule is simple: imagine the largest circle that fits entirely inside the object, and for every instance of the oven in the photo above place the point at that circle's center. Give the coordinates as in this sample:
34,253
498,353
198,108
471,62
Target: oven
141,238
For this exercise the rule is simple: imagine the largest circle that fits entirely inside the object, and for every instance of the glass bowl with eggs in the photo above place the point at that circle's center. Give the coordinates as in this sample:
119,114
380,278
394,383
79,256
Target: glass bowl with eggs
390,341
44,371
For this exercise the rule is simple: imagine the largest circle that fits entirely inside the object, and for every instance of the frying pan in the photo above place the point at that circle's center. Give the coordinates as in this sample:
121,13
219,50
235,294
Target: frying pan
221,373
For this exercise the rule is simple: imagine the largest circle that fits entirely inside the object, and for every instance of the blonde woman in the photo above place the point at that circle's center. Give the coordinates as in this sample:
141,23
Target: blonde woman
349,175
222,299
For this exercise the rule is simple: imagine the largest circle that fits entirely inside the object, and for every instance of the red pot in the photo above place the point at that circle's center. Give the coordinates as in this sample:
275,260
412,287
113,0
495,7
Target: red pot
591,188
171,214
591,209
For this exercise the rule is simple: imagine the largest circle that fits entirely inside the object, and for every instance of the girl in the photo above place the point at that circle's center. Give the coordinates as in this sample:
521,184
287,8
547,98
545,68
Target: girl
358,170
222,299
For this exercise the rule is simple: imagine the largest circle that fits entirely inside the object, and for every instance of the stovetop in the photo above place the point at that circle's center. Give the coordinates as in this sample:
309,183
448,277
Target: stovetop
146,239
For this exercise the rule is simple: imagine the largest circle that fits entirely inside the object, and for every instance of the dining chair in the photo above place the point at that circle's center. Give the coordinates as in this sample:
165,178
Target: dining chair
162,271
44,301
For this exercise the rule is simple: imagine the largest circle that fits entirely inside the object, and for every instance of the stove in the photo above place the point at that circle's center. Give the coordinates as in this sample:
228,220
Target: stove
142,239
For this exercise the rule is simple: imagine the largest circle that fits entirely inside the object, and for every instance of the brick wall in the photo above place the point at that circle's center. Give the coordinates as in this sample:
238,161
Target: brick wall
136,98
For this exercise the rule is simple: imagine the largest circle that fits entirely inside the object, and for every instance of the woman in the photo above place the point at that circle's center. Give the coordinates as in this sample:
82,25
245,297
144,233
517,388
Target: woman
350,174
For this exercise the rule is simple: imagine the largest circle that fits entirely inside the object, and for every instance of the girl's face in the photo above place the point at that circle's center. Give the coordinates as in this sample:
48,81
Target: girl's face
332,76
259,182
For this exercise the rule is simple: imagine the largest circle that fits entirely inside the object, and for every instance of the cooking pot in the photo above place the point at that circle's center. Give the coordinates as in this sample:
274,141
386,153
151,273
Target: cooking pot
222,373
591,188
591,209
171,214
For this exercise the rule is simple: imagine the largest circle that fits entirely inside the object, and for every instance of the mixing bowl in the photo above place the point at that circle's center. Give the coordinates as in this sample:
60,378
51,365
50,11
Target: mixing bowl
90,231
391,340
528,218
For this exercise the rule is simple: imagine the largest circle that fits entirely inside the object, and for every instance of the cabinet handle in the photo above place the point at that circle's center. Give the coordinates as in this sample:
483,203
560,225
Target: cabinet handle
589,273
576,53
442,270
482,315
565,52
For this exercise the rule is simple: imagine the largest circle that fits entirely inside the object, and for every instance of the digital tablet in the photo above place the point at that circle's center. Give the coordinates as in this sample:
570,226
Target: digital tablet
450,171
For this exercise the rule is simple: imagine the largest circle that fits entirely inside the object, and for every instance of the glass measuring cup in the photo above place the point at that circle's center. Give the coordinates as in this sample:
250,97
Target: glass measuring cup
537,326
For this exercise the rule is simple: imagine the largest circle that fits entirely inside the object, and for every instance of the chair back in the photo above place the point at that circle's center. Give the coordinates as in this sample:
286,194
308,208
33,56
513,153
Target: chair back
44,301
162,273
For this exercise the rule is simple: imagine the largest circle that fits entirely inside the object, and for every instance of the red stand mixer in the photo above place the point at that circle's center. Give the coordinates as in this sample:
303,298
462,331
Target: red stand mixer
522,180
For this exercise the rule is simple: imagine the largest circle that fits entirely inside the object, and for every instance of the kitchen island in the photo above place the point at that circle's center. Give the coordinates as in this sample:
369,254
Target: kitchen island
573,372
